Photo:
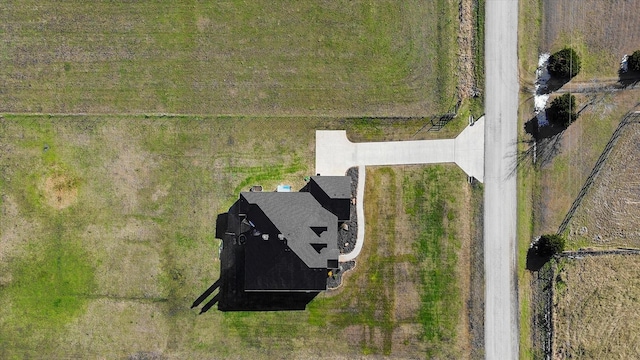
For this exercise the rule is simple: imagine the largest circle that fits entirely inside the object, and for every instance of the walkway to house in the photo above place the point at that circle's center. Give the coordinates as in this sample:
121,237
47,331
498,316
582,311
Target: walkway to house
335,154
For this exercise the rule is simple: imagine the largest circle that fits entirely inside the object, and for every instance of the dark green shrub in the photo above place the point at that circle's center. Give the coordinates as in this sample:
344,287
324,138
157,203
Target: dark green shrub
562,111
564,64
549,245
633,62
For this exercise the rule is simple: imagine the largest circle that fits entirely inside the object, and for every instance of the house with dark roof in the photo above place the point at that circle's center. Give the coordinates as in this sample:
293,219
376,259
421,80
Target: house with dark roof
278,248
334,193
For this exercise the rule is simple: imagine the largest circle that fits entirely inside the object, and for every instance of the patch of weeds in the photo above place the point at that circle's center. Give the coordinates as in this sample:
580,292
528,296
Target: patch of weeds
254,328
185,241
479,9
476,107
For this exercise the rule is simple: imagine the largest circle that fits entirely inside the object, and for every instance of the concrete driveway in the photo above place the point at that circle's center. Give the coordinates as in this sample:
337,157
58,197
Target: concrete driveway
335,154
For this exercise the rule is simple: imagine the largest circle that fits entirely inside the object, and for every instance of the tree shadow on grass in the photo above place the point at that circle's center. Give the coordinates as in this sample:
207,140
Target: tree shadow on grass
544,146
534,261
628,78
552,85
548,142
542,132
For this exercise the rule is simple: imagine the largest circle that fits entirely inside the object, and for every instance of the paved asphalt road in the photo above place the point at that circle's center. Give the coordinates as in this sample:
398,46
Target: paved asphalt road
501,121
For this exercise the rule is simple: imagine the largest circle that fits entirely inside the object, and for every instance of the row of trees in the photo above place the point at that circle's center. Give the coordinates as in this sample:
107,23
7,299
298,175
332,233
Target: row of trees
564,65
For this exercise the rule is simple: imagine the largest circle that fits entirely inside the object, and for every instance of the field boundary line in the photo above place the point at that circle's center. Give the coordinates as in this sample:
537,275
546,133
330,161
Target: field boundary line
579,253
248,116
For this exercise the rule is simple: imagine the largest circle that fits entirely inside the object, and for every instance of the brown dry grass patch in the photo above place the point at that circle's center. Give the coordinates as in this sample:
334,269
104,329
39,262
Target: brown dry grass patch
61,190
466,78
597,308
132,325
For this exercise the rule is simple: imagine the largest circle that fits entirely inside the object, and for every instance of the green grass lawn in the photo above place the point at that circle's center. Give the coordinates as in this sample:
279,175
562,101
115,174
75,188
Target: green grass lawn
235,57
107,238
107,223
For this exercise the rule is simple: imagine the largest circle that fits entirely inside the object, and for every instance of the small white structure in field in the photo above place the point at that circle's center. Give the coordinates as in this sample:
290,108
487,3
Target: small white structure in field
624,66
283,188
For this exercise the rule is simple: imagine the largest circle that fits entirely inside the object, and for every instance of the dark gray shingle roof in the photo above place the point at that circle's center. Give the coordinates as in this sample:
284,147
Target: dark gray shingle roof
337,187
301,219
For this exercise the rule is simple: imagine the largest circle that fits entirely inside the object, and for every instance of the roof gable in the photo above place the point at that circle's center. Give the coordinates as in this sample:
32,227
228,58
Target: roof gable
336,187
307,228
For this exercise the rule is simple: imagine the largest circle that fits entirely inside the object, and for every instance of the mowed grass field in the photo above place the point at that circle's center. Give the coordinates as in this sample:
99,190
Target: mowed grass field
597,308
600,31
106,238
342,58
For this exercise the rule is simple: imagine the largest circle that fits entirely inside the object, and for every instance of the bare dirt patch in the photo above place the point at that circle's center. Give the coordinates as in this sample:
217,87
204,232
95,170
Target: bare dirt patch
131,253
14,233
61,190
133,325
597,308
405,340
407,302
130,169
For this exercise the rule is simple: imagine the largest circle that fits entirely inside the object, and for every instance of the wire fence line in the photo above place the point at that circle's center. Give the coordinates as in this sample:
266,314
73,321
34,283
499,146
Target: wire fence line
630,118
